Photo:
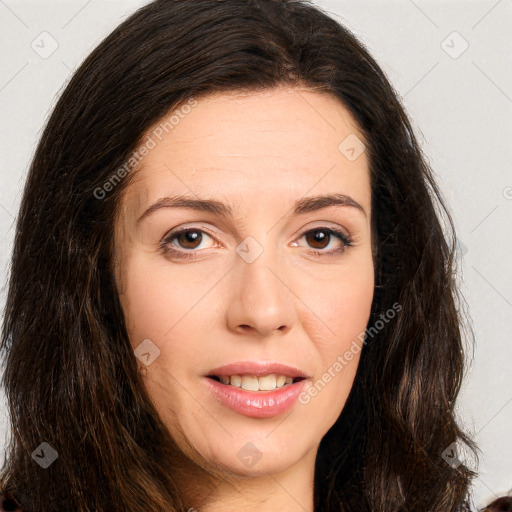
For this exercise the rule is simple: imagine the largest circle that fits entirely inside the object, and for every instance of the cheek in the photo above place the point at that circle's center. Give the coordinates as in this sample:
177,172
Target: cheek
170,309
328,393
351,311
340,307
340,310
153,307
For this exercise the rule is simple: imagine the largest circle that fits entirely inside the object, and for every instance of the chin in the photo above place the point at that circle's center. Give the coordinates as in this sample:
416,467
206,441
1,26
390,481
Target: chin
255,452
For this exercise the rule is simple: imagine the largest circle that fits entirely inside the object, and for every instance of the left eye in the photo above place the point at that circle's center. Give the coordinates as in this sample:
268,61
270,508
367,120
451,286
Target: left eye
319,238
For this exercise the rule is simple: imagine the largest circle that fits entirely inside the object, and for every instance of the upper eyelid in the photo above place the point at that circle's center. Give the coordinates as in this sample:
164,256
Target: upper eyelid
180,230
323,224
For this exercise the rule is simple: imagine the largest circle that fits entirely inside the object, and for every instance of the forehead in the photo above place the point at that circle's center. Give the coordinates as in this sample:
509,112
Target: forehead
281,141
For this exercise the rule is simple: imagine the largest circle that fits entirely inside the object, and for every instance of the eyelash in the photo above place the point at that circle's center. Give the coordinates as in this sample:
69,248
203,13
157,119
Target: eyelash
168,251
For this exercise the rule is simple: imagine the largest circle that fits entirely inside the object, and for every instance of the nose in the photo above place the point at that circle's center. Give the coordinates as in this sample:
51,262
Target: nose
262,301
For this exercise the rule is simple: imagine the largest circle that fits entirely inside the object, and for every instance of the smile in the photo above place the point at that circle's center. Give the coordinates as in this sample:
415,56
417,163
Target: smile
255,383
252,403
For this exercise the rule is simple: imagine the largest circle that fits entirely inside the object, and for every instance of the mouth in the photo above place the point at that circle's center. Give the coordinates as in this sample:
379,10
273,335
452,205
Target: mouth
250,382
256,390
257,375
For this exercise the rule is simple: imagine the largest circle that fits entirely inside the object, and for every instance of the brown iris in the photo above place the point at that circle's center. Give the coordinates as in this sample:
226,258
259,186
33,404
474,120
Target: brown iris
316,236
189,237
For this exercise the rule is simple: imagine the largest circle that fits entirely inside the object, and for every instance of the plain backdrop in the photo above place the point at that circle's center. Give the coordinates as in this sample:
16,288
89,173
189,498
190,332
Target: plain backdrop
450,63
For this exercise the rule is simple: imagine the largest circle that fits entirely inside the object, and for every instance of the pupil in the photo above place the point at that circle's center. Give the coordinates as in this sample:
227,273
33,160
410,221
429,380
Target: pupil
190,236
319,236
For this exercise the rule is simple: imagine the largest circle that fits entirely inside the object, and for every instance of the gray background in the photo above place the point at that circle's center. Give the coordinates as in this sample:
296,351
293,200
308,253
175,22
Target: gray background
460,102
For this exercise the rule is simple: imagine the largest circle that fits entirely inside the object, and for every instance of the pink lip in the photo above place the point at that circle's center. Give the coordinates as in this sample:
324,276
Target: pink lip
256,404
257,369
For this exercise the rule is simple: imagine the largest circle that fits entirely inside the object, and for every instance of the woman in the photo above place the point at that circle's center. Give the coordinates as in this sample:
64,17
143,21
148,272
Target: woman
262,367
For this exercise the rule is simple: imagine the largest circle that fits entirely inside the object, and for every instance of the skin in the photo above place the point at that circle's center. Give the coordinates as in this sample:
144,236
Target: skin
259,152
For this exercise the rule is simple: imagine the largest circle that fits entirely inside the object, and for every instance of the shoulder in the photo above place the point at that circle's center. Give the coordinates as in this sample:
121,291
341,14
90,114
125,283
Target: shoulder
8,503
502,504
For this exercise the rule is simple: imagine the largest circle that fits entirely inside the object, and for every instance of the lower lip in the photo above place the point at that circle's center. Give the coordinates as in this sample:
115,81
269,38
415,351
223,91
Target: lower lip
256,404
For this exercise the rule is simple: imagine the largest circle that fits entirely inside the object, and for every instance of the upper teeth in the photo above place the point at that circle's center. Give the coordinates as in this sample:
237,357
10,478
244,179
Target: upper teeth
253,383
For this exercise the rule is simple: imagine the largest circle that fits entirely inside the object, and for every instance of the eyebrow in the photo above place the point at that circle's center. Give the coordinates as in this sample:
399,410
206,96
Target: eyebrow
300,207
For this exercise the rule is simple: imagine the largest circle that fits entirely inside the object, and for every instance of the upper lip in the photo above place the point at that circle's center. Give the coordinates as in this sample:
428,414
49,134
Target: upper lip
256,368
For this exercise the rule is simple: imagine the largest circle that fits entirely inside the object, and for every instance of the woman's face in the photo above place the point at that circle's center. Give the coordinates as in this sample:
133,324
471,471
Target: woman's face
254,279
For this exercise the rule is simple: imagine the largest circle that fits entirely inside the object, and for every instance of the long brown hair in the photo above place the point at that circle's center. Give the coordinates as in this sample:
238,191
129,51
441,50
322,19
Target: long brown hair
71,377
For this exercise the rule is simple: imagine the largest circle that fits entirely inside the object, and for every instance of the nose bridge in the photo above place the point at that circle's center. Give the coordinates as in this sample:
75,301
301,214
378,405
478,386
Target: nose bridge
262,299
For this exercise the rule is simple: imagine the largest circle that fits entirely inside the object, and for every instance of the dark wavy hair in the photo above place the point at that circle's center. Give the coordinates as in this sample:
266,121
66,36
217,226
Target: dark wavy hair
71,376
